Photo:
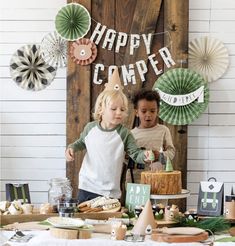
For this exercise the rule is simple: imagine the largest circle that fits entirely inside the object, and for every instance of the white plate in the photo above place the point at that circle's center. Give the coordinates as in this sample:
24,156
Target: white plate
64,222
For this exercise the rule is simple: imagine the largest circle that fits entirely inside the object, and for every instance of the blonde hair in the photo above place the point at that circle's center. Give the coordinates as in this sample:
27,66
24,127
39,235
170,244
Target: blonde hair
104,99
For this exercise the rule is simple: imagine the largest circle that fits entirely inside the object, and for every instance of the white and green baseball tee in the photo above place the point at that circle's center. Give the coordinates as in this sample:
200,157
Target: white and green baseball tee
102,164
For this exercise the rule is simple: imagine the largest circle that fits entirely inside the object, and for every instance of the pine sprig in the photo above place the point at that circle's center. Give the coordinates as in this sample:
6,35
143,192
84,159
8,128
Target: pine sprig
217,224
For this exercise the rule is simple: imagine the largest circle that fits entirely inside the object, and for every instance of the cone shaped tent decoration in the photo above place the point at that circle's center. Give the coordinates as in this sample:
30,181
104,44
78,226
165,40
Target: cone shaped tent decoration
145,222
184,96
209,57
169,167
54,50
73,21
29,70
114,82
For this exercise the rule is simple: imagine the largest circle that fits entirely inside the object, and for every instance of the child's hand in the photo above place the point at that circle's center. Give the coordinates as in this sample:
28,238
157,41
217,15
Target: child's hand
69,154
156,154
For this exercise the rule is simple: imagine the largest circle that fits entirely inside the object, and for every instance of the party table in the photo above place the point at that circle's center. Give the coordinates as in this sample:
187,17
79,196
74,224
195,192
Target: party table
44,238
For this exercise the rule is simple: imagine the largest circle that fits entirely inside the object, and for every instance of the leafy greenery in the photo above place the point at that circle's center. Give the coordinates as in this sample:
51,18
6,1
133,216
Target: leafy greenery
226,239
217,224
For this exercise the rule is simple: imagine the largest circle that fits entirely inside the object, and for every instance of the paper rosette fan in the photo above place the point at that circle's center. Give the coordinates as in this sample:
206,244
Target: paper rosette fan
83,51
54,50
29,70
73,21
181,87
209,57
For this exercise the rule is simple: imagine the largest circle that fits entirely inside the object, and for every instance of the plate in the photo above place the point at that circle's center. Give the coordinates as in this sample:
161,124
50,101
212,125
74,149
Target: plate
63,222
184,194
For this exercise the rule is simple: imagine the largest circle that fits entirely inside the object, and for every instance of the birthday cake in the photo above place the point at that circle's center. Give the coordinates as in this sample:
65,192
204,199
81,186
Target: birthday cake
163,183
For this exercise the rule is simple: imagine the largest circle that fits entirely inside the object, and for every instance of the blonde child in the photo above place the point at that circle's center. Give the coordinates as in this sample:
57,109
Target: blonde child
106,141
149,134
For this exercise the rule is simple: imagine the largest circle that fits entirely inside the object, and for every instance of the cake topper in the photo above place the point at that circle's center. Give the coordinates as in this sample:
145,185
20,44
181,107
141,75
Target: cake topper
114,82
169,167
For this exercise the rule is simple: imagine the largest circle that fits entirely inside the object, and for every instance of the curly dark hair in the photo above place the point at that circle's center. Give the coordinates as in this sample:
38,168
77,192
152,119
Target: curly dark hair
148,95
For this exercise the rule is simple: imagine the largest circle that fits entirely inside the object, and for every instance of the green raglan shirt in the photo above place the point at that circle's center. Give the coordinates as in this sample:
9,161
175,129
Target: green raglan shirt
102,164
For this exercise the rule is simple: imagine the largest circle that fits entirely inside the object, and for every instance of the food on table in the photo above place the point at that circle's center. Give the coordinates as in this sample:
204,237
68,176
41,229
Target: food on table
100,204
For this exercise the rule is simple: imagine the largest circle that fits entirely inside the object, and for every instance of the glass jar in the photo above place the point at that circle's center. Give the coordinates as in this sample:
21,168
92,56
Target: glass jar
60,190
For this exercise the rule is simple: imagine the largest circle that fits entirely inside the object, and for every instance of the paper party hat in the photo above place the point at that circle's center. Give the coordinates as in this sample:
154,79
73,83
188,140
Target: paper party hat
114,82
145,222
169,167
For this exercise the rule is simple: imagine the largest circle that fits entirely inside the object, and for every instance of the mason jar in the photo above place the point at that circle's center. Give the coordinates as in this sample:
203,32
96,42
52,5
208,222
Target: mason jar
60,190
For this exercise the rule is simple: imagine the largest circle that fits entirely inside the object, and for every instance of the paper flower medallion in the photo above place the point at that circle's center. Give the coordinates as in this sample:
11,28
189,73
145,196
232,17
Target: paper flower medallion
209,57
83,51
72,21
54,50
184,96
29,70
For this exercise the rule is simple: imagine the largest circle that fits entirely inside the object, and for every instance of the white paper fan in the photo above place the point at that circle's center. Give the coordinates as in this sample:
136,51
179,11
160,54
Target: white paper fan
54,50
209,57
29,70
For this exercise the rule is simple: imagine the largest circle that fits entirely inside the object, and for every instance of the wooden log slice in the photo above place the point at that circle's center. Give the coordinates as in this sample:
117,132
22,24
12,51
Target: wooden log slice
64,233
163,237
163,183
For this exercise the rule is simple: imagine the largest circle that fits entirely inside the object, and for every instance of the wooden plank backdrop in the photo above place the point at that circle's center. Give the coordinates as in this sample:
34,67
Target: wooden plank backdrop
129,16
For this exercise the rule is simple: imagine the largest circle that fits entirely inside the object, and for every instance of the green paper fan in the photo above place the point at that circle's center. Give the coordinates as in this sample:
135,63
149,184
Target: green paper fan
181,81
72,21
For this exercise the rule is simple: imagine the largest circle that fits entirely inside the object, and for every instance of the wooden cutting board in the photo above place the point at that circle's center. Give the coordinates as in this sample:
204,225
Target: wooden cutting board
163,237
26,226
165,223
9,219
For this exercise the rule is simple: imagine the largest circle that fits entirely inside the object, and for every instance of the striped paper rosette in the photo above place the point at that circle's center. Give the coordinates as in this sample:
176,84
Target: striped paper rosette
73,21
29,70
54,50
181,83
209,57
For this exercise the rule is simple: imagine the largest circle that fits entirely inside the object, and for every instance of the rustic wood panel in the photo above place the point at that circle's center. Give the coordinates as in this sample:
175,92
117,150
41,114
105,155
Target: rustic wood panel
78,107
128,17
104,13
140,24
176,22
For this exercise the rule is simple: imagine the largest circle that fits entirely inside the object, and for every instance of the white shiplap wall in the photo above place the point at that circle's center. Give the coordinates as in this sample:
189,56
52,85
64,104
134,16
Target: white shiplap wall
32,123
211,139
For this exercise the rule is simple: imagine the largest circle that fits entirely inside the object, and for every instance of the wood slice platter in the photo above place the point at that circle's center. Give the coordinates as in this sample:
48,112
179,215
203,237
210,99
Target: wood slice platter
70,233
163,237
64,233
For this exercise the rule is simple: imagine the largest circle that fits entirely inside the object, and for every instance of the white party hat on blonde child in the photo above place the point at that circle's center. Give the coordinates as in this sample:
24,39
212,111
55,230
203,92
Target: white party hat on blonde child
145,222
114,82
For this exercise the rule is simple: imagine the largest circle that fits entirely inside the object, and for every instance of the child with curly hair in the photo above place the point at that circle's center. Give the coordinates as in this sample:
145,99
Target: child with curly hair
149,134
